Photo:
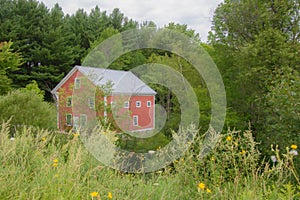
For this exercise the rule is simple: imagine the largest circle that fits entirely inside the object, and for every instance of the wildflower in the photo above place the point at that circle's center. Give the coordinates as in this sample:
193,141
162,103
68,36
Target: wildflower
55,164
12,139
56,175
274,159
293,146
201,186
228,138
43,139
294,152
76,135
212,158
243,152
208,190
55,161
151,152
155,184
109,195
94,194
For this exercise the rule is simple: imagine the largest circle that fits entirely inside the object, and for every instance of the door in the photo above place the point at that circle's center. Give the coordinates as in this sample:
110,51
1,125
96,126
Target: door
76,123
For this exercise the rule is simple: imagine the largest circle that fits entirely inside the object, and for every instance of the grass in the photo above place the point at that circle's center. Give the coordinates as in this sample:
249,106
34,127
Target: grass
39,164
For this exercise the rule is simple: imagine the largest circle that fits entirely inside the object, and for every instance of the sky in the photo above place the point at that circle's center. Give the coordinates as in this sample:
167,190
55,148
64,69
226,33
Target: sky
196,14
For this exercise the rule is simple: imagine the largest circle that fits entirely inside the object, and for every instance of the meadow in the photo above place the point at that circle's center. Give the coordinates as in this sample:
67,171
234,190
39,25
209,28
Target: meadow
42,164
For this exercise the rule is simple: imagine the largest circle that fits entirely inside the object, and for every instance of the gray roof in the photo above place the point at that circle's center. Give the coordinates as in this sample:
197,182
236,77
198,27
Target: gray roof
123,82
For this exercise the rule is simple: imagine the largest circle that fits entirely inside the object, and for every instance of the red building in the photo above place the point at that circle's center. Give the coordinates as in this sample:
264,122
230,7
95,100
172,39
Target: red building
89,95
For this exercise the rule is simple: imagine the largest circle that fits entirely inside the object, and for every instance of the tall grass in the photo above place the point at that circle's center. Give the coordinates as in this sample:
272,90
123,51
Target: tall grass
38,164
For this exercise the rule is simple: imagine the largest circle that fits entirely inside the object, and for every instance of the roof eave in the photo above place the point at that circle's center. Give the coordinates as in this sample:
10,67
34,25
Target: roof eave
64,80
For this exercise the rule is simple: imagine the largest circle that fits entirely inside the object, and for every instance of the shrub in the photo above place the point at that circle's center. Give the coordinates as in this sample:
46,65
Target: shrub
27,108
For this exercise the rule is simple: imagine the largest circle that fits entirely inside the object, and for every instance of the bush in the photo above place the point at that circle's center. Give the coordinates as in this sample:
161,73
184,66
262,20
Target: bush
27,108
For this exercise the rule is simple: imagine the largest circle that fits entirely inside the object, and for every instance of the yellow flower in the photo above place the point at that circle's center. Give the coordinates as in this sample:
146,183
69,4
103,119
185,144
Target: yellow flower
293,146
43,139
208,190
94,194
243,152
212,158
55,161
201,186
228,138
109,195
76,135
55,164
56,175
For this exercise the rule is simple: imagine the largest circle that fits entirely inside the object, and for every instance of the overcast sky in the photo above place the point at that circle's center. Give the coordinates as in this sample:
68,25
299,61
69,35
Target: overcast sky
197,14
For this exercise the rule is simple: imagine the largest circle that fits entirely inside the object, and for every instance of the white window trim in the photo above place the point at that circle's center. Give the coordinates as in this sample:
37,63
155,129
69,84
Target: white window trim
69,97
67,119
91,103
126,104
149,104
77,85
137,120
136,104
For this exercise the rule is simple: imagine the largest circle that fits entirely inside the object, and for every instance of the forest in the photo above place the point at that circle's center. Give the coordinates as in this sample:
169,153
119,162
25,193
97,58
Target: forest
254,44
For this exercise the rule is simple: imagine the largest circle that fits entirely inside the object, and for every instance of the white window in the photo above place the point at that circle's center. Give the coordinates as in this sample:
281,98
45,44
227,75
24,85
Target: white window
69,102
91,102
69,119
126,104
82,120
135,120
77,83
148,104
138,104
105,100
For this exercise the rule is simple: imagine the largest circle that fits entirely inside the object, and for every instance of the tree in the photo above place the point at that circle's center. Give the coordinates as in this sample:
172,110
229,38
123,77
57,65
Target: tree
281,111
9,63
256,46
55,55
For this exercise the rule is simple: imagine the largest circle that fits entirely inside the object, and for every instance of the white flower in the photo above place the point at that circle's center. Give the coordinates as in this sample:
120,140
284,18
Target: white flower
156,184
12,139
151,152
294,152
273,158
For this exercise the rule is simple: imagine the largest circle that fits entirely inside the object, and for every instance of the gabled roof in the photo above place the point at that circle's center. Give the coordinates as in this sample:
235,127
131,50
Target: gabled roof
123,82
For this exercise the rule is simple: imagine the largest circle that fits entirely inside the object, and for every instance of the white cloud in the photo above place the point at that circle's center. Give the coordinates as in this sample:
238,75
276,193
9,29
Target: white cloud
197,14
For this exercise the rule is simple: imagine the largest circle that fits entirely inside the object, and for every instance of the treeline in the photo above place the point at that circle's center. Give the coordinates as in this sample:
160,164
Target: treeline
49,42
255,44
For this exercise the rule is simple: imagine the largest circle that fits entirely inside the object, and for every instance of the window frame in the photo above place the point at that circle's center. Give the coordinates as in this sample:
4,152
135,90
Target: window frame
71,119
126,104
149,103
135,120
138,102
69,101
91,103
77,83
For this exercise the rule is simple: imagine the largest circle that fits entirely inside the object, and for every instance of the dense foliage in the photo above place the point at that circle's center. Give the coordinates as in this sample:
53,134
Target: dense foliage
256,46
26,108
